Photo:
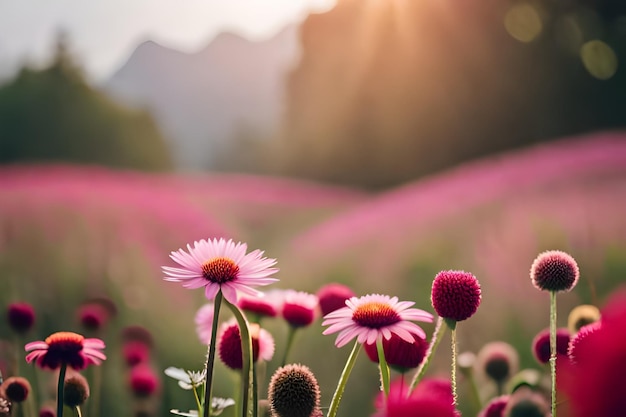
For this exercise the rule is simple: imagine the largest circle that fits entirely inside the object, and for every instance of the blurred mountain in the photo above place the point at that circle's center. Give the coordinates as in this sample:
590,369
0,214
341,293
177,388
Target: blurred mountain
201,100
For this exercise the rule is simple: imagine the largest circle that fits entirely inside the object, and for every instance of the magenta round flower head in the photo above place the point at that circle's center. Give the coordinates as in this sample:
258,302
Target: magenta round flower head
430,398
221,265
400,354
299,308
67,348
21,316
541,344
580,339
495,407
143,381
554,271
374,317
229,344
257,306
455,295
294,392
333,297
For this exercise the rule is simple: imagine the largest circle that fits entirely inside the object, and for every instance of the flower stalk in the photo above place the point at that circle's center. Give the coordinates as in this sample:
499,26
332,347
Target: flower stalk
343,380
210,362
438,333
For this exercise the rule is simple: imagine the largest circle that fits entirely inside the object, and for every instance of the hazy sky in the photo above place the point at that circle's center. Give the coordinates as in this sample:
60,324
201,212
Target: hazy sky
104,32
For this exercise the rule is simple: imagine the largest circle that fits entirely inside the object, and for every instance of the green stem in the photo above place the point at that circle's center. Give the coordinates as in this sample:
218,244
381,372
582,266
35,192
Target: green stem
343,380
210,362
246,349
60,387
438,333
384,368
195,394
255,391
453,369
553,348
290,337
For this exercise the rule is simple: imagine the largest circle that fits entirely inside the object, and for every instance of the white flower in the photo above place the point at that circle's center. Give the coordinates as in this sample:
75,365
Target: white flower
186,379
217,405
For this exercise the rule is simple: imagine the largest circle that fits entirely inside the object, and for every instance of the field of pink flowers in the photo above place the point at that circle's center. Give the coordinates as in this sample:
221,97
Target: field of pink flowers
69,233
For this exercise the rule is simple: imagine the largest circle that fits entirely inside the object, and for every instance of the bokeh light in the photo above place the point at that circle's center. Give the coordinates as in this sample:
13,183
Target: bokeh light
599,59
523,22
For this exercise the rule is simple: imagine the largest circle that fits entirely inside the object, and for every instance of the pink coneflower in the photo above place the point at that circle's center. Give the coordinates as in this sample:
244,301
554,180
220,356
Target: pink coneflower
299,308
373,317
21,316
221,265
204,321
229,344
67,348
333,297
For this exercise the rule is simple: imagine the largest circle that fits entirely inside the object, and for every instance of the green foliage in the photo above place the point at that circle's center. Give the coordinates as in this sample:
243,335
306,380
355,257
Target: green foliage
54,115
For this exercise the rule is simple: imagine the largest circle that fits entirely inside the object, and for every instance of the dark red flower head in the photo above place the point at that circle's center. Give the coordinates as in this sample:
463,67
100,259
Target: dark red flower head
229,345
332,297
47,411
15,389
495,407
400,354
581,338
135,352
554,271
143,381
92,316
257,306
498,360
65,347
541,344
137,333
455,295
299,308
21,317
75,390
294,392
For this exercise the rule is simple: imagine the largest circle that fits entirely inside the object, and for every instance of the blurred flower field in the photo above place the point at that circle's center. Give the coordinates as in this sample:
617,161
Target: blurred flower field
70,234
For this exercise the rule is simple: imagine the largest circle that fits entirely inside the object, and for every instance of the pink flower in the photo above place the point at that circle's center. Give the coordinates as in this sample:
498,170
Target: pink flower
299,308
333,297
432,398
400,354
229,344
455,295
541,344
260,306
21,316
67,348
204,321
143,381
221,265
373,317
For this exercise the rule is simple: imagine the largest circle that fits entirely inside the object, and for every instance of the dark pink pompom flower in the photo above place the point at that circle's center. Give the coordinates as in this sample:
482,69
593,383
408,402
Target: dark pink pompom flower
15,389
299,308
143,381
135,352
21,317
541,344
554,271
92,316
455,295
260,306
594,385
399,353
229,344
333,297
581,338
47,411
67,348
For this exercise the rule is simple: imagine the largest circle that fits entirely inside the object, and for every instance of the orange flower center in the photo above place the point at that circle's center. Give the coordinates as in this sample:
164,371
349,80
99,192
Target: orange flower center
220,270
65,338
375,315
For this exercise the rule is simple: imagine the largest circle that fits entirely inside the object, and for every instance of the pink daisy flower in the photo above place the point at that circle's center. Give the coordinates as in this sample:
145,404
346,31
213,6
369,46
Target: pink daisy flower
204,321
67,348
221,265
372,317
